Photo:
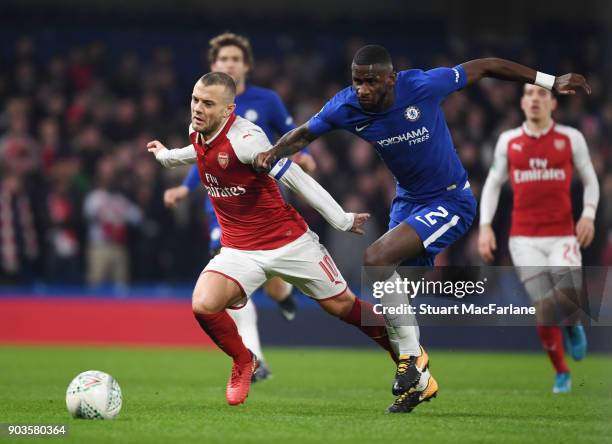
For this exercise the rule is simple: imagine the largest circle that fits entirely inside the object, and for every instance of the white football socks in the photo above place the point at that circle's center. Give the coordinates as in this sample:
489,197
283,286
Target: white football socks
402,329
246,321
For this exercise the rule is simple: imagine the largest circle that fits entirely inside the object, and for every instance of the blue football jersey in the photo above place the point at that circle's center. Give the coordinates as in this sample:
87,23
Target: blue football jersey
411,136
264,108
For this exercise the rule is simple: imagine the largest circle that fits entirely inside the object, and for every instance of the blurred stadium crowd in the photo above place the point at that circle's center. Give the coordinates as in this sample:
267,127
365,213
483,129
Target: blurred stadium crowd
81,199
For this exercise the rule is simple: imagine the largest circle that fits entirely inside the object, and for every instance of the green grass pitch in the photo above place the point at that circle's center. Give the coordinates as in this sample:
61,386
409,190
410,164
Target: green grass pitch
316,395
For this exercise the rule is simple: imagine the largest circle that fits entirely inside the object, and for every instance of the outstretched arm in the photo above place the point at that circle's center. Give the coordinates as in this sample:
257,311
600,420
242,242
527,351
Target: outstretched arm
172,158
317,197
289,144
289,173
507,70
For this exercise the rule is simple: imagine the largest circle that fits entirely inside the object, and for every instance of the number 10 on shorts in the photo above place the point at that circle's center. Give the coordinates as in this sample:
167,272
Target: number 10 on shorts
329,268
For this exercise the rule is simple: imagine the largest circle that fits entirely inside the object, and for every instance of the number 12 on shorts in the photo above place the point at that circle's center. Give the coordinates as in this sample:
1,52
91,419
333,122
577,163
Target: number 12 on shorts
430,216
329,268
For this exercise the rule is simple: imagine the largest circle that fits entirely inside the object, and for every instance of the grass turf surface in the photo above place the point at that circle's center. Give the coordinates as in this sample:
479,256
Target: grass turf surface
332,395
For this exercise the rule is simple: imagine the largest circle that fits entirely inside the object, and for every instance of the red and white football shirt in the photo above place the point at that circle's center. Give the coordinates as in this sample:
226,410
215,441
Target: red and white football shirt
249,206
540,168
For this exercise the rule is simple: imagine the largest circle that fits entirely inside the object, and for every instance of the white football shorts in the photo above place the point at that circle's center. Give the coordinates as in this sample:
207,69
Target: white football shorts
547,262
303,262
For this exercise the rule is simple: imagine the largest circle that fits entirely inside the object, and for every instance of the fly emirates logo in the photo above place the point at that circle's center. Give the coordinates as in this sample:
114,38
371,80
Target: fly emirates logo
214,190
538,171
412,137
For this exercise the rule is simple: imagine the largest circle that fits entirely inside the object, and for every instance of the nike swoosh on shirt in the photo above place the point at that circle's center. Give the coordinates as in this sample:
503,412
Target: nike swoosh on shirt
362,127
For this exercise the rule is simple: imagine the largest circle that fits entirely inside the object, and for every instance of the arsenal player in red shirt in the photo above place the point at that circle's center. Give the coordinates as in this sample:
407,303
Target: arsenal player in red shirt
262,236
539,158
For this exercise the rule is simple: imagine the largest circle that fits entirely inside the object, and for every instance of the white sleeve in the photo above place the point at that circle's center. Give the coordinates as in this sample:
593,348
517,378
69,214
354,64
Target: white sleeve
177,156
317,197
498,174
249,142
584,166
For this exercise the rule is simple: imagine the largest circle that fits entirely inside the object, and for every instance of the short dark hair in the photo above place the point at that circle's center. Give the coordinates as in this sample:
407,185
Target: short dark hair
550,91
230,39
219,78
372,55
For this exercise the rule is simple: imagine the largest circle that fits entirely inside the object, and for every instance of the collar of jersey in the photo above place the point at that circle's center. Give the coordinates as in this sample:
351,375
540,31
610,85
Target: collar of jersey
537,135
222,131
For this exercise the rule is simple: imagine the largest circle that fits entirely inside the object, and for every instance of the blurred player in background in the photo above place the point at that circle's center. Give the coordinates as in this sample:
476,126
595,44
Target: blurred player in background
401,115
262,236
538,158
232,54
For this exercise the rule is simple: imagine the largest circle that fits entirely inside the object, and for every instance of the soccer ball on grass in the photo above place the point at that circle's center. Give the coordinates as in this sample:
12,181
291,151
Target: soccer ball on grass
94,395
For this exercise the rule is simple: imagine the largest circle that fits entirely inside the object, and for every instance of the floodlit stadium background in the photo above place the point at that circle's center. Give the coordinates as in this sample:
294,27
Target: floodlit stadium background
84,87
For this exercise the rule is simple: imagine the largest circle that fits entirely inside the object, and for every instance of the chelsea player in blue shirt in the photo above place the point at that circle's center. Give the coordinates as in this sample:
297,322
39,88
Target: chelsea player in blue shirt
400,115
232,54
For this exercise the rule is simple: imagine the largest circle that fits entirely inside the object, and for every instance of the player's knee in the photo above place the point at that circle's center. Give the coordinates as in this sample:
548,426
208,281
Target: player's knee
374,257
378,266
339,306
345,304
546,312
202,304
278,289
